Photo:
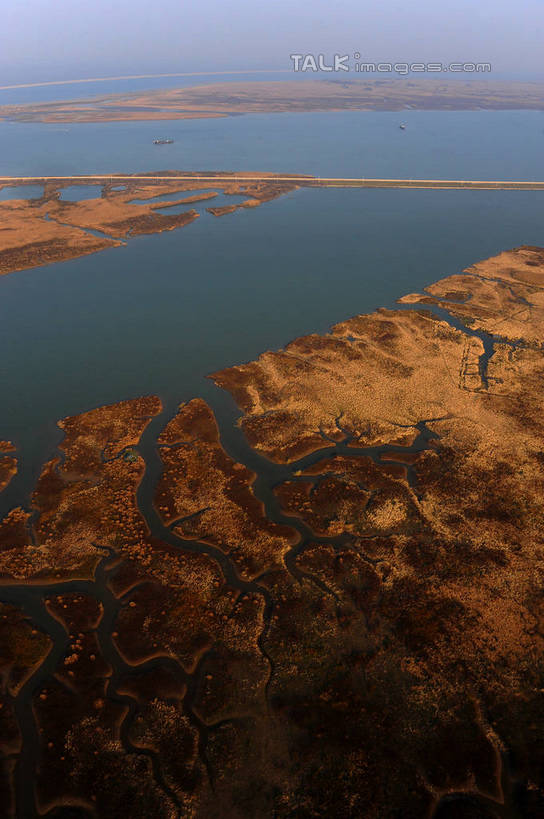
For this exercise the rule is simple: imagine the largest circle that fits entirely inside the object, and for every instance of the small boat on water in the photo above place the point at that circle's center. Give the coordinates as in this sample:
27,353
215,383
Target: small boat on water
162,141
402,126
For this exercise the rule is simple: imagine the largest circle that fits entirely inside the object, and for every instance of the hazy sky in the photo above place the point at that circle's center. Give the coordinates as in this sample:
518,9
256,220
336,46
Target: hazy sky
57,39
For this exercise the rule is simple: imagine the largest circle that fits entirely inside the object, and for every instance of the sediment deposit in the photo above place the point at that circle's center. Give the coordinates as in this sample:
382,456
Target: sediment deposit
51,229
355,93
360,637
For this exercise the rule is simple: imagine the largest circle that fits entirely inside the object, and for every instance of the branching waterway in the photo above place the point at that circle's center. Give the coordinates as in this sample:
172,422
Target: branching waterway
31,598
157,315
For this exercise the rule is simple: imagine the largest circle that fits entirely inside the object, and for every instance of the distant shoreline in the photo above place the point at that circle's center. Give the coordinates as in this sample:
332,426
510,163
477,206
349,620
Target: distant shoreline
286,96
121,77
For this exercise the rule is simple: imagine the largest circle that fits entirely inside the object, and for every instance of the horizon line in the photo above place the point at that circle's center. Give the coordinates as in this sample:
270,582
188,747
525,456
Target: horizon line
145,77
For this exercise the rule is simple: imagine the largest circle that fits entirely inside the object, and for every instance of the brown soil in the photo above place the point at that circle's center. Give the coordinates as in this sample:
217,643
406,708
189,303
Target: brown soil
42,231
23,648
86,503
222,99
208,497
390,665
8,468
341,383
502,296
351,495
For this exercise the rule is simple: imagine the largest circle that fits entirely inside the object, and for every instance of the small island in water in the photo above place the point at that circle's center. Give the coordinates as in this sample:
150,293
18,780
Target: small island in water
47,229
357,630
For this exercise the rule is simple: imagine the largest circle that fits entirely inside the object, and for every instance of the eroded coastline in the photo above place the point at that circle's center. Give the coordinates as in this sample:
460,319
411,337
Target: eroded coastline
39,231
370,645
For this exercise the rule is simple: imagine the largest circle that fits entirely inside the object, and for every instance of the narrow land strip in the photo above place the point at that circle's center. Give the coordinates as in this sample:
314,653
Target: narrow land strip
307,181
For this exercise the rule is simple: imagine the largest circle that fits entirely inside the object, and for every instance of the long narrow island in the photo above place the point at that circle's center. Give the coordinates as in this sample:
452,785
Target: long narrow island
346,92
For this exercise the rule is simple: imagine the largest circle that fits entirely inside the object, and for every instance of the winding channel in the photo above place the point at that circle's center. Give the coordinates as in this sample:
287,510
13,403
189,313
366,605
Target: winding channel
31,598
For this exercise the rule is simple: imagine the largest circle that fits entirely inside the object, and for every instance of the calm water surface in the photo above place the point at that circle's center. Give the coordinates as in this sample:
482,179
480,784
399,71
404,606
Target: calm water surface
162,312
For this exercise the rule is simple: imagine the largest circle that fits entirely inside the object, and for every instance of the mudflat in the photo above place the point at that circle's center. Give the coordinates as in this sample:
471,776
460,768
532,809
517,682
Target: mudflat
361,636
49,229
224,99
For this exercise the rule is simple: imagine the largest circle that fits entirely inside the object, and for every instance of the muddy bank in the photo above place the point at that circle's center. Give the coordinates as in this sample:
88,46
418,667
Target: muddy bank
51,229
333,609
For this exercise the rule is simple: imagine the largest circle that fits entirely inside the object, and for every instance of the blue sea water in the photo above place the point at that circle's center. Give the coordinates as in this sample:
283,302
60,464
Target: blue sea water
161,313
85,90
